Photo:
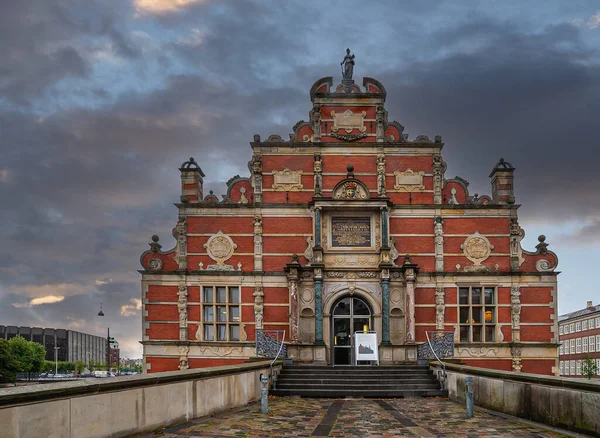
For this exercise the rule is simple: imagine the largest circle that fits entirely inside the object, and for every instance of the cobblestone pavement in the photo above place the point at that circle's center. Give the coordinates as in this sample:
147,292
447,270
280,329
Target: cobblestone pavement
416,417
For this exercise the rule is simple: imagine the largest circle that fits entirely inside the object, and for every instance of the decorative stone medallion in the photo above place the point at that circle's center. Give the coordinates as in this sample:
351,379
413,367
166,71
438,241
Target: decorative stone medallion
287,180
350,190
477,248
220,247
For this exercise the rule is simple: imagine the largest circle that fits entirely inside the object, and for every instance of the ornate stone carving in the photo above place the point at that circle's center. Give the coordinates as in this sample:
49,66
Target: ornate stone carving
220,248
351,260
257,243
183,357
243,198
380,119
318,171
438,177
198,334
307,296
315,118
367,274
155,264
515,352
182,310
438,230
543,266
243,334
287,180
349,137
410,304
350,190
478,351
409,181
439,307
308,252
516,252
220,351
394,254
348,121
515,311
259,295
381,190
293,286
453,200
179,232
257,175
477,248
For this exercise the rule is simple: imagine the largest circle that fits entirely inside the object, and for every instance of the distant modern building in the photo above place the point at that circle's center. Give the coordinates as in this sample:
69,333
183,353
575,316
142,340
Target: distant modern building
72,346
579,334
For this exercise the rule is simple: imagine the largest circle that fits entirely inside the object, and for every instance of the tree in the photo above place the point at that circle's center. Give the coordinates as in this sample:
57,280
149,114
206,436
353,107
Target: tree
8,365
79,366
588,367
29,355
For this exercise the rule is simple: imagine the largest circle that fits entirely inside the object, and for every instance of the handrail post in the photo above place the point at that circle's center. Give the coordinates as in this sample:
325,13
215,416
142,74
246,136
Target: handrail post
264,390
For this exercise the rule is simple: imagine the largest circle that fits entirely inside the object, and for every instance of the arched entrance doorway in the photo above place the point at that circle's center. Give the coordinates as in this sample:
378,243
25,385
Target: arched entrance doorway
350,314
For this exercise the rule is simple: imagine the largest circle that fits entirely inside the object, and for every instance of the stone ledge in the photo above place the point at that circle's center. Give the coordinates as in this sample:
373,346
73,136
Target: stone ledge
62,390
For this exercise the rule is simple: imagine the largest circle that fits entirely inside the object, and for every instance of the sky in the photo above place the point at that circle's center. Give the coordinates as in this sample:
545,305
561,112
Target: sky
101,102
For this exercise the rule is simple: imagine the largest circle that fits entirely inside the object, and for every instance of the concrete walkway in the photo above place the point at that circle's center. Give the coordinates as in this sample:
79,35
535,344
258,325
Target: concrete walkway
417,417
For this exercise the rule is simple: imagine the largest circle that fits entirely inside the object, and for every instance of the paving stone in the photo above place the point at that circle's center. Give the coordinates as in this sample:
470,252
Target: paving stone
411,417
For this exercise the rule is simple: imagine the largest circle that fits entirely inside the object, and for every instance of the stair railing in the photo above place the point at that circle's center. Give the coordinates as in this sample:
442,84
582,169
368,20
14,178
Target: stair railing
447,349
269,345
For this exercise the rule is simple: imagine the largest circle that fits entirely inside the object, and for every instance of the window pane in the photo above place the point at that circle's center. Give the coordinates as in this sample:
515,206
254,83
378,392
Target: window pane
221,294
221,332
234,332
463,295
360,308
489,295
464,315
208,295
234,295
476,295
209,315
490,333
464,333
477,333
222,313
343,307
477,315
234,314
489,315
209,333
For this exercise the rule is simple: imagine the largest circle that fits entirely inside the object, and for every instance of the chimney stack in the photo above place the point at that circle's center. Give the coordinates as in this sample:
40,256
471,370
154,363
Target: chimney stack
191,181
589,304
502,183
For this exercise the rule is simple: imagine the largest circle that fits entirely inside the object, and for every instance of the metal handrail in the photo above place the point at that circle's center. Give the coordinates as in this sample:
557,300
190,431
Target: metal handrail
437,357
279,352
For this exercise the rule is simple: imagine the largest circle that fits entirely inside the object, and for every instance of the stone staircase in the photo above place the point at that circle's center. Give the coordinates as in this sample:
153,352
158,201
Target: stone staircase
358,381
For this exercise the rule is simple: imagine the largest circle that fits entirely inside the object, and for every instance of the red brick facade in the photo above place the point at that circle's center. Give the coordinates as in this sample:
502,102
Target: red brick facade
349,208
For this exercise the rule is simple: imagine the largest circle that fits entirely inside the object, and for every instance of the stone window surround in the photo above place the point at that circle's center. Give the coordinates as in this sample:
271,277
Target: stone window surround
214,304
483,306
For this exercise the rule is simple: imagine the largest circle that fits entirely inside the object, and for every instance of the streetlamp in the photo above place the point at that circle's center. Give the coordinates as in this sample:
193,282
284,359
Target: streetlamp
101,313
56,360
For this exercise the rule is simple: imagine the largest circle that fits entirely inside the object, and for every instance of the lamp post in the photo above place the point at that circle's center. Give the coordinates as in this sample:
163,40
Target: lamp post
101,313
56,360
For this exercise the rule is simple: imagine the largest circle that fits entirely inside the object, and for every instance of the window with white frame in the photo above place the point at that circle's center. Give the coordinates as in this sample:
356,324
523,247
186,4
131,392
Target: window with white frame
572,328
566,329
477,314
572,367
592,344
591,323
597,322
578,372
572,346
561,349
584,325
597,342
561,365
221,313
578,344
598,366
578,326
585,345
560,330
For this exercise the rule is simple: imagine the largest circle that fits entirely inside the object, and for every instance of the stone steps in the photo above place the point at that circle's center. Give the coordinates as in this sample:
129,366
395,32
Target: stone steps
404,380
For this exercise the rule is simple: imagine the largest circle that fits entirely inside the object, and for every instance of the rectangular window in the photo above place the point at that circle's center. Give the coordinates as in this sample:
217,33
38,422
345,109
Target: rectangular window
578,326
592,344
585,347
572,328
221,313
598,322
598,366
477,314
591,322
572,346
584,325
561,367
562,349
579,368
572,368
597,343
560,330
578,344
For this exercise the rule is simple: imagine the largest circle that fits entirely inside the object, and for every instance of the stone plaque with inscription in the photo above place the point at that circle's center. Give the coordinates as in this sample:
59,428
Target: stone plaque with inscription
350,232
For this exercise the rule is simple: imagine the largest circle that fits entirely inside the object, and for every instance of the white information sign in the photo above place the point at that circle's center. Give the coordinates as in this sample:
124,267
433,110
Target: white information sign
366,346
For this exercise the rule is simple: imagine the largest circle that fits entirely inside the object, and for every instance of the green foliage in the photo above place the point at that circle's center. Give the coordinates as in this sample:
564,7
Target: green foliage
8,365
588,367
29,355
79,367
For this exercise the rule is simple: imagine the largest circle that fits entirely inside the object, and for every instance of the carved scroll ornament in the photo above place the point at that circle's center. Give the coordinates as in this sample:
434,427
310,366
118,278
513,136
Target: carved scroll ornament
287,180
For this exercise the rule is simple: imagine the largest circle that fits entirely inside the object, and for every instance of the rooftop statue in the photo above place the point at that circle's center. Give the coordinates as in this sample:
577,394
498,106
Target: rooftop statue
348,64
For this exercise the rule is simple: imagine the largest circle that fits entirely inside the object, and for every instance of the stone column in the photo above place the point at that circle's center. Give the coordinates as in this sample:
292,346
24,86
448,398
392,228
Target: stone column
515,301
440,307
257,175
258,243
409,275
439,243
438,179
179,232
259,295
385,307
319,307
318,227
385,242
182,309
293,285
318,169
381,189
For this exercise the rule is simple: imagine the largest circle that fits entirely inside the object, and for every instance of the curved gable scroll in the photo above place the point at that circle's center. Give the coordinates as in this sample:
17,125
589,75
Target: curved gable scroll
351,188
